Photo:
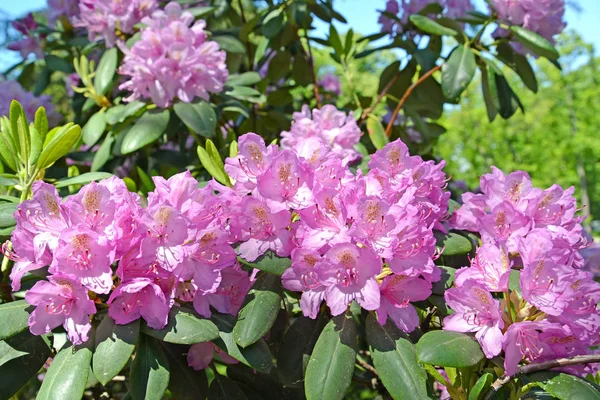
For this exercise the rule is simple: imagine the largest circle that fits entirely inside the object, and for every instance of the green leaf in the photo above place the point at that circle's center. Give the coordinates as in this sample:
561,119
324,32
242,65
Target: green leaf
199,12
273,23
230,44
114,347
68,374
244,79
211,161
269,262
106,70
14,317
298,344
103,154
94,128
119,113
8,149
525,72
185,383
481,386
55,63
259,311
41,122
149,373
430,26
148,128
184,327
395,359
256,356
223,388
82,179
279,66
503,96
488,98
246,94
58,145
446,280
199,117
36,144
19,129
566,387
377,133
331,363
448,349
7,211
534,42
335,41
21,357
458,72
302,71
453,243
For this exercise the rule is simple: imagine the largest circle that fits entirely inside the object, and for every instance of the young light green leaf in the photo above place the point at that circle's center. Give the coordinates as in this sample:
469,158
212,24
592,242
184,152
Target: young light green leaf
41,122
377,133
37,142
8,148
59,145
211,161
481,386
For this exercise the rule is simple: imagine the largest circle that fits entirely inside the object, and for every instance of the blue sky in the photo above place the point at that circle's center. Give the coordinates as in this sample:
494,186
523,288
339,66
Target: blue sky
362,15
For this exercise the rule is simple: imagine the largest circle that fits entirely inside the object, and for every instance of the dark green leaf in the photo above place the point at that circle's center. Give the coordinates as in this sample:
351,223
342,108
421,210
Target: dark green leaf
67,376
445,282
148,128
120,112
525,72
256,356
223,388
481,386
534,42
503,96
199,117
269,262
488,98
331,363
430,26
458,72
185,383
92,131
7,218
273,23
335,41
395,359
184,327
377,133
260,309
114,346
103,153
149,374
301,71
297,346
14,316
82,179
106,70
55,63
199,12
448,349
230,44
21,357
453,243
279,66
566,387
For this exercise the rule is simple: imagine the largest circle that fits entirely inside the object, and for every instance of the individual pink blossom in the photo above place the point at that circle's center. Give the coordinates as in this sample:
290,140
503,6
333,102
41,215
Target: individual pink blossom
388,24
12,90
302,277
173,59
60,8
349,273
200,355
30,43
139,297
335,128
490,267
228,297
397,291
105,18
253,159
331,83
60,301
475,310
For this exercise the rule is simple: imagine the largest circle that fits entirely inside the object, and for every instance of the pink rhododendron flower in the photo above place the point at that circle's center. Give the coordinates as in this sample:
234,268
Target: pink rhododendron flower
491,267
30,43
229,295
139,297
12,90
200,355
60,301
302,277
397,291
331,83
102,18
476,311
173,59
336,129
60,8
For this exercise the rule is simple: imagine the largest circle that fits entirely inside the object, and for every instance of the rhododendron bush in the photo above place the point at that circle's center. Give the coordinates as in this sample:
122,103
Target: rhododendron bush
192,208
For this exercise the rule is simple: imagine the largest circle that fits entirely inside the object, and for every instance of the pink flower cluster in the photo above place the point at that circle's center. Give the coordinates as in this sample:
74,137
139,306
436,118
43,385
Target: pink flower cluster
406,8
173,59
543,17
350,237
337,130
535,231
30,43
12,90
106,18
331,83
176,248
62,8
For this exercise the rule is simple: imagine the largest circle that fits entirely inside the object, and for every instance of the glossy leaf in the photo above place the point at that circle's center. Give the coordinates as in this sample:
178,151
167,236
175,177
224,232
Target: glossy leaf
82,179
269,262
377,133
199,117
481,386
41,122
430,26
259,311
244,79
114,347
103,153
68,374
273,23
106,70
230,44
395,359
458,72
212,162
445,281
148,128
149,373
184,327
331,363
452,243
486,90
58,146
534,42
448,349
92,131
525,72
119,113
14,317
566,387
185,383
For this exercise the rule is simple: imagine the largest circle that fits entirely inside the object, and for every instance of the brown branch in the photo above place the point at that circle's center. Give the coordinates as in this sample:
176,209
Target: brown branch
367,366
380,97
530,368
388,130
312,69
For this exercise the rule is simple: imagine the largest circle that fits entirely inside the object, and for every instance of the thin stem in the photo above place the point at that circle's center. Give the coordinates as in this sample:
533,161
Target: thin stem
528,369
367,366
388,130
387,87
